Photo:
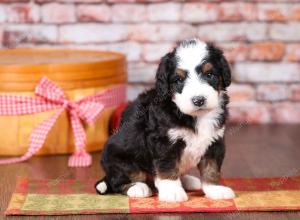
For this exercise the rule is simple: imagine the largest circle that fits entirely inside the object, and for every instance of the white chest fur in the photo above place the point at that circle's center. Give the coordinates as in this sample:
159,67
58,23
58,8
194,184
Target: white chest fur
197,142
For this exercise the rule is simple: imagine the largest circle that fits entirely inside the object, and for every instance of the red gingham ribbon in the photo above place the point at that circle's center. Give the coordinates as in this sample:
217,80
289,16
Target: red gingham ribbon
48,97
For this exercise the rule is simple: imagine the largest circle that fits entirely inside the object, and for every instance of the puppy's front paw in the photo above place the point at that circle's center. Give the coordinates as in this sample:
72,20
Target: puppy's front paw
218,192
139,190
170,190
172,194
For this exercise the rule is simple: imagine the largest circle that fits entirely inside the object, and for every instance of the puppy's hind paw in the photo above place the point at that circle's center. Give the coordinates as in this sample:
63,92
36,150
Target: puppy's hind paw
139,190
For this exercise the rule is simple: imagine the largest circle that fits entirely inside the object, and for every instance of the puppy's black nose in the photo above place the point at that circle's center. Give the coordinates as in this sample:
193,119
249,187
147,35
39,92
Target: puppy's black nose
198,100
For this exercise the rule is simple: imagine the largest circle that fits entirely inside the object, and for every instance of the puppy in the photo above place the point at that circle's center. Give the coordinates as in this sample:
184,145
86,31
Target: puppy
176,126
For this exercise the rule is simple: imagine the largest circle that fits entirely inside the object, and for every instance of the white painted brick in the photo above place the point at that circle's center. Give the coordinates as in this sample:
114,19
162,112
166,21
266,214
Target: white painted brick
58,13
22,13
272,92
200,12
129,13
94,12
93,33
256,31
286,32
295,92
286,112
153,52
271,12
162,32
34,33
253,113
141,72
164,12
266,72
132,50
241,93
233,31
237,11
3,13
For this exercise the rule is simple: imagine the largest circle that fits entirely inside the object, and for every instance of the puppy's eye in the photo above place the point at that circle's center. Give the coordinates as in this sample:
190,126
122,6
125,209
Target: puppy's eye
178,79
210,75
180,75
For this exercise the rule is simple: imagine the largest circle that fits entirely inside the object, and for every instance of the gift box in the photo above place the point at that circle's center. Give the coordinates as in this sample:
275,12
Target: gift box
73,89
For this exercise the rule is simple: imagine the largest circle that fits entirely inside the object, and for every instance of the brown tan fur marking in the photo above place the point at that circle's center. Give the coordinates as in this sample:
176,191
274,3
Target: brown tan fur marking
171,175
206,67
209,171
138,176
181,73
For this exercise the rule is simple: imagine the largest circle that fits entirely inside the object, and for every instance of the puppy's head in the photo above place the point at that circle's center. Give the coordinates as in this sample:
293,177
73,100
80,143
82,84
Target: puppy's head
194,76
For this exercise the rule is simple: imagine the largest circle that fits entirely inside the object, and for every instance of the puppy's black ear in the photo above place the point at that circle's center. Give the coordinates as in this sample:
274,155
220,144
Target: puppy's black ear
162,74
226,72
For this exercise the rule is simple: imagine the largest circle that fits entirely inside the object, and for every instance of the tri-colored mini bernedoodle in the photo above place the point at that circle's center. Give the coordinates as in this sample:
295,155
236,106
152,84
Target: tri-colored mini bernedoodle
176,126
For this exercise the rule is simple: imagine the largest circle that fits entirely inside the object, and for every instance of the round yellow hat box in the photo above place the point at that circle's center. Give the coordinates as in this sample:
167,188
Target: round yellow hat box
78,72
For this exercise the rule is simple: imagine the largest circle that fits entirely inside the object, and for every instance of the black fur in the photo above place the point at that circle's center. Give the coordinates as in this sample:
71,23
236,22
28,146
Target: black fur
220,64
141,143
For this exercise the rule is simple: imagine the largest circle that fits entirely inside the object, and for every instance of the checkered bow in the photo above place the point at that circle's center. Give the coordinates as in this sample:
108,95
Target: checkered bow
48,97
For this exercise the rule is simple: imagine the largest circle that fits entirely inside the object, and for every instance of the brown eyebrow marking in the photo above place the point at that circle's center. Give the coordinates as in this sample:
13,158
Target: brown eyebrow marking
206,67
181,73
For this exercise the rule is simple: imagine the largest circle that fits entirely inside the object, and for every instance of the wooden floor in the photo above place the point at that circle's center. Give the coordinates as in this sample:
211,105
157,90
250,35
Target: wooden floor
254,151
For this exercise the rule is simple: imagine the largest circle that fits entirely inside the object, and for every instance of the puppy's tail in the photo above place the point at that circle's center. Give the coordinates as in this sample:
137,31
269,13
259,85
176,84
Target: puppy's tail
103,186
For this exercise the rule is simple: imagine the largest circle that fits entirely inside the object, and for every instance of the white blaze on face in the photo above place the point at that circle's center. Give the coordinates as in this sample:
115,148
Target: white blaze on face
189,58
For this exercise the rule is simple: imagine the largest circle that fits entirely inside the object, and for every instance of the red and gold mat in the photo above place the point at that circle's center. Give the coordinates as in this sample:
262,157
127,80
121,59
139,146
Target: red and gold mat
62,197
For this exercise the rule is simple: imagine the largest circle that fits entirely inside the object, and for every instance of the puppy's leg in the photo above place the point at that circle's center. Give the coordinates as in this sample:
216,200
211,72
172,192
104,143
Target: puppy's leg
190,182
167,176
169,186
210,176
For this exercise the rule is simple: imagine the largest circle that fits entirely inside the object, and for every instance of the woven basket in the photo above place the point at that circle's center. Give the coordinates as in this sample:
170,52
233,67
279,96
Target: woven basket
79,73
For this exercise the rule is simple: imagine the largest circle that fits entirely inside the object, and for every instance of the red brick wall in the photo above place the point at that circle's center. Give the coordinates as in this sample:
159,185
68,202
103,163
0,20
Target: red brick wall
261,38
